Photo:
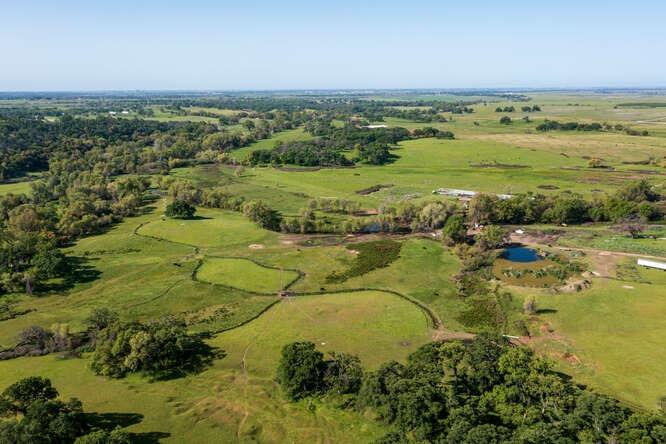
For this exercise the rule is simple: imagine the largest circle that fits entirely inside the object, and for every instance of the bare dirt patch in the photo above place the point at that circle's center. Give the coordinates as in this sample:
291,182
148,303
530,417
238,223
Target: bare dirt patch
535,237
256,246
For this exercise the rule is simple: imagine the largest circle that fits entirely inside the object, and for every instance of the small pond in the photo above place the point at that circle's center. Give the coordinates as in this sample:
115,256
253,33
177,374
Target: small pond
521,254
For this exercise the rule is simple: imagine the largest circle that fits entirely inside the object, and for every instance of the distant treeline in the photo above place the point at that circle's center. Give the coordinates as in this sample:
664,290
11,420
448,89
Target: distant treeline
641,105
552,125
511,108
369,145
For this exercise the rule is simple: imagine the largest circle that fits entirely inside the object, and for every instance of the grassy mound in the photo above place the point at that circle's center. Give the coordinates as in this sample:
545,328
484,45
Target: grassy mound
245,275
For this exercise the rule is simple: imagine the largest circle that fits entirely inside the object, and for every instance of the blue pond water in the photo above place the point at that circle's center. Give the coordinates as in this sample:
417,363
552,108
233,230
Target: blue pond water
521,254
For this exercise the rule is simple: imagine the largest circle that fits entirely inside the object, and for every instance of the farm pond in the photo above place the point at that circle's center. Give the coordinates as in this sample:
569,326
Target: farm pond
521,254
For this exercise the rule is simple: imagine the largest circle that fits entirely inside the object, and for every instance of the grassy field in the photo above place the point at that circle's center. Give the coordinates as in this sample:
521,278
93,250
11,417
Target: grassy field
244,274
491,165
609,336
652,242
235,402
140,277
615,330
15,188
210,229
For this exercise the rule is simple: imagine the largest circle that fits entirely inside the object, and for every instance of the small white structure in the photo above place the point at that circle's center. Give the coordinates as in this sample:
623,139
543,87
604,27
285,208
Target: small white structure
375,126
652,264
124,112
464,194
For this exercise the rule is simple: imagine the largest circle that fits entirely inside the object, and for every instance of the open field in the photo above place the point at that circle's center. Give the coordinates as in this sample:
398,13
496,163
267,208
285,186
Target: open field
244,274
220,272
615,331
15,188
237,398
498,160
210,229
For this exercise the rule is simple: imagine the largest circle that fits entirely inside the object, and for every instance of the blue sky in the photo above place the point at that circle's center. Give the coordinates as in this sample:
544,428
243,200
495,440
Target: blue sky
196,44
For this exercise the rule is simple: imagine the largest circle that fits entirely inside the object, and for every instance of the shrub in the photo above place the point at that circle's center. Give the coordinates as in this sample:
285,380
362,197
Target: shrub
180,209
492,237
454,230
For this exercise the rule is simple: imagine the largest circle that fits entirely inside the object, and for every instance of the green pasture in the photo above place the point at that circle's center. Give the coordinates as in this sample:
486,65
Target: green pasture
616,330
15,188
211,229
140,277
374,325
427,164
244,274
652,242
237,399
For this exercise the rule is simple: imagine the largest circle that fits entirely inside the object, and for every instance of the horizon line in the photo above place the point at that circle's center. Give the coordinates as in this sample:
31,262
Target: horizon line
352,89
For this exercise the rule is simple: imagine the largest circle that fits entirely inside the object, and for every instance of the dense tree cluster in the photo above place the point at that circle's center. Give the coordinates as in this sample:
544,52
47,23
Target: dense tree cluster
637,199
30,412
160,349
484,391
304,153
27,143
302,371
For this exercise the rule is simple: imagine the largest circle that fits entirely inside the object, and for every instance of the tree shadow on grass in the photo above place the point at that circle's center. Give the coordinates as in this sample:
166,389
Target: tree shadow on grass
148,437
546,311
78,270
199,358
110,421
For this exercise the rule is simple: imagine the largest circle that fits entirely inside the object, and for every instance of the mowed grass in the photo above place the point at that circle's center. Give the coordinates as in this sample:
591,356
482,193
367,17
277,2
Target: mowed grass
617,331
244,274
209,229
230,402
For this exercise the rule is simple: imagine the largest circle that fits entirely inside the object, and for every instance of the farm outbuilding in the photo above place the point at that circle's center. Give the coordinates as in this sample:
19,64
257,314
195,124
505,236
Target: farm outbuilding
464,194
652,264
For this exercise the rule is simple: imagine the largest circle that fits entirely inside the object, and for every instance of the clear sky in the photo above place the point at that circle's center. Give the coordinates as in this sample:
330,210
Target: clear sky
248,44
